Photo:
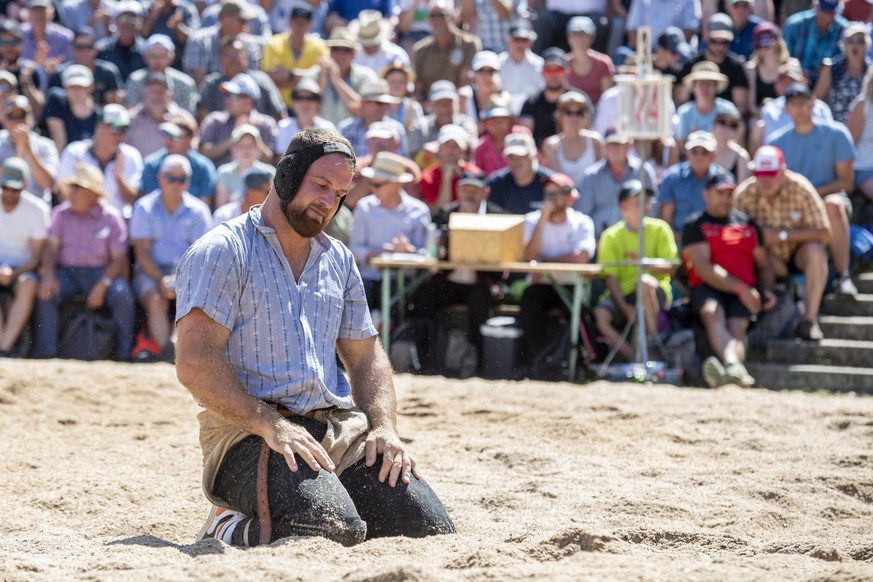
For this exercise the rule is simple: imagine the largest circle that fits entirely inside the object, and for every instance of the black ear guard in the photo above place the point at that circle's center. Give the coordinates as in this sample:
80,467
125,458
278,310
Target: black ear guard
293,166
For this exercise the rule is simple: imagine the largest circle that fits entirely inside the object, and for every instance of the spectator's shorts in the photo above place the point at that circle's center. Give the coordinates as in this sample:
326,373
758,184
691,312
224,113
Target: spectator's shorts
733,307
618,318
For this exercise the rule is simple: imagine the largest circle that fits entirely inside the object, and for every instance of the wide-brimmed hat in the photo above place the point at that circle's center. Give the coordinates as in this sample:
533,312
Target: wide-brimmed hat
382,130
87,177
389,168
370,27
706,71
342,37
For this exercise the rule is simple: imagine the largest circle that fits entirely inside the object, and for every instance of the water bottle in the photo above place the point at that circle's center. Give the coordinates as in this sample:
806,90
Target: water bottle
432,241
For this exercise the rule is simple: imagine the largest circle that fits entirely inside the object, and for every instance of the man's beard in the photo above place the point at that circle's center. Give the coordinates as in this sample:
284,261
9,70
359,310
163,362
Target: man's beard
304,225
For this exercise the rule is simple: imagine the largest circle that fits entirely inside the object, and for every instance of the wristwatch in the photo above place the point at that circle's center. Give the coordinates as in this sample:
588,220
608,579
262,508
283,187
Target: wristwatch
783,235
106,281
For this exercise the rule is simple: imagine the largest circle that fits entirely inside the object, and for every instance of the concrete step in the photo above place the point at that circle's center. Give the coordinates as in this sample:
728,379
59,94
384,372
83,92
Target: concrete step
847,327
812,377
864,282
861,304
828,352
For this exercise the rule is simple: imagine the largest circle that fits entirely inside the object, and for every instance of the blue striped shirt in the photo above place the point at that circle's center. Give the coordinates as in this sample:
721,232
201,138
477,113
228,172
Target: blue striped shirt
283,333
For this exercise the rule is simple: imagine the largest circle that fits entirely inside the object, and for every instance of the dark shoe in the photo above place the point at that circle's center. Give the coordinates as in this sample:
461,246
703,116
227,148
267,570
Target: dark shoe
808,331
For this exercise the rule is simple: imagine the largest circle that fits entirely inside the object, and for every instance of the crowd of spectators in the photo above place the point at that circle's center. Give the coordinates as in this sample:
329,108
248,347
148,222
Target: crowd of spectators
130,128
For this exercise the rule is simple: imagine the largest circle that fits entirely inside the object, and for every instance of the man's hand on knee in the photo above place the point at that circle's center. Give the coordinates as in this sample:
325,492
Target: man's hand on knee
396,460
288,438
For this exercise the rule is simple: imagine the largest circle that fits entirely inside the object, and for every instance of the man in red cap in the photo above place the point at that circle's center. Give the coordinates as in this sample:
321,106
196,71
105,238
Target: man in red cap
794,227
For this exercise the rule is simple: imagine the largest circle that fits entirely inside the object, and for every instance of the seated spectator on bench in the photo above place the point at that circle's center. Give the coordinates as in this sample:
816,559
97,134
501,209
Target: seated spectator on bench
619,243
86,255
824,153
23,224
794,227
730,280
556,233
256,185
387,221
164,225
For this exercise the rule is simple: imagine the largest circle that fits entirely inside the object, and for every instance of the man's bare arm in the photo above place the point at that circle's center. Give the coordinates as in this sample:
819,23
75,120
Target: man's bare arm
372,383
203,369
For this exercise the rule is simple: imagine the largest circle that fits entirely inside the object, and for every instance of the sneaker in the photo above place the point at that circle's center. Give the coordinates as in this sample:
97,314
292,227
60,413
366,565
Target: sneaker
221,524
713,372
845,286
145,349
808,331
736,373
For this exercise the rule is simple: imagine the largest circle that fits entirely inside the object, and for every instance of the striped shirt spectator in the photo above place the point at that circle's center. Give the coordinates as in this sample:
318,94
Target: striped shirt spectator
90,239
805,43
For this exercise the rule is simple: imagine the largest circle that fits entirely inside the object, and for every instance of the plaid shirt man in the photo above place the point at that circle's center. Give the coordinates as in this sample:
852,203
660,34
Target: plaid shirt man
796,205
490,28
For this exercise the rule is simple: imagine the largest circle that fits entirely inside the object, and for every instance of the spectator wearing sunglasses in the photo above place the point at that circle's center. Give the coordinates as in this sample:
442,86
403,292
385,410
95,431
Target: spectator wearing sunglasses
107,78
720,34
24,222
19,140
576,147
31,78
729,153
120,162
538,112
164,224
307,104
179,134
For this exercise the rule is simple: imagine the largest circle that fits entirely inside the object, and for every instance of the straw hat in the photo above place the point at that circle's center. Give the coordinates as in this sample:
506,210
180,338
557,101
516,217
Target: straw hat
389,168
87,177
370,27
706,71
398,66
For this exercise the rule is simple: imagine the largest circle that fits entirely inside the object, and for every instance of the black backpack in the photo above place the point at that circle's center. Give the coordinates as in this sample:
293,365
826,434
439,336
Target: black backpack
87,335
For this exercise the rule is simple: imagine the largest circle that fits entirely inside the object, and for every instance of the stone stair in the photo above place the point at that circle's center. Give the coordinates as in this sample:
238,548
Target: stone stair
841,363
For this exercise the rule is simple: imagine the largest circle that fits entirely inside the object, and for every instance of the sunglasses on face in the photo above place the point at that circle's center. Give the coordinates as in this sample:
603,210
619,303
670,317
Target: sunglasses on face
8,189
699,152
306,98
175,179
727,123
553,70
83,47
574,112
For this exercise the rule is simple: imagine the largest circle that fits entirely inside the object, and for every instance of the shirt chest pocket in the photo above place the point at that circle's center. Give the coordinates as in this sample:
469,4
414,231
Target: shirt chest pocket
328,312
